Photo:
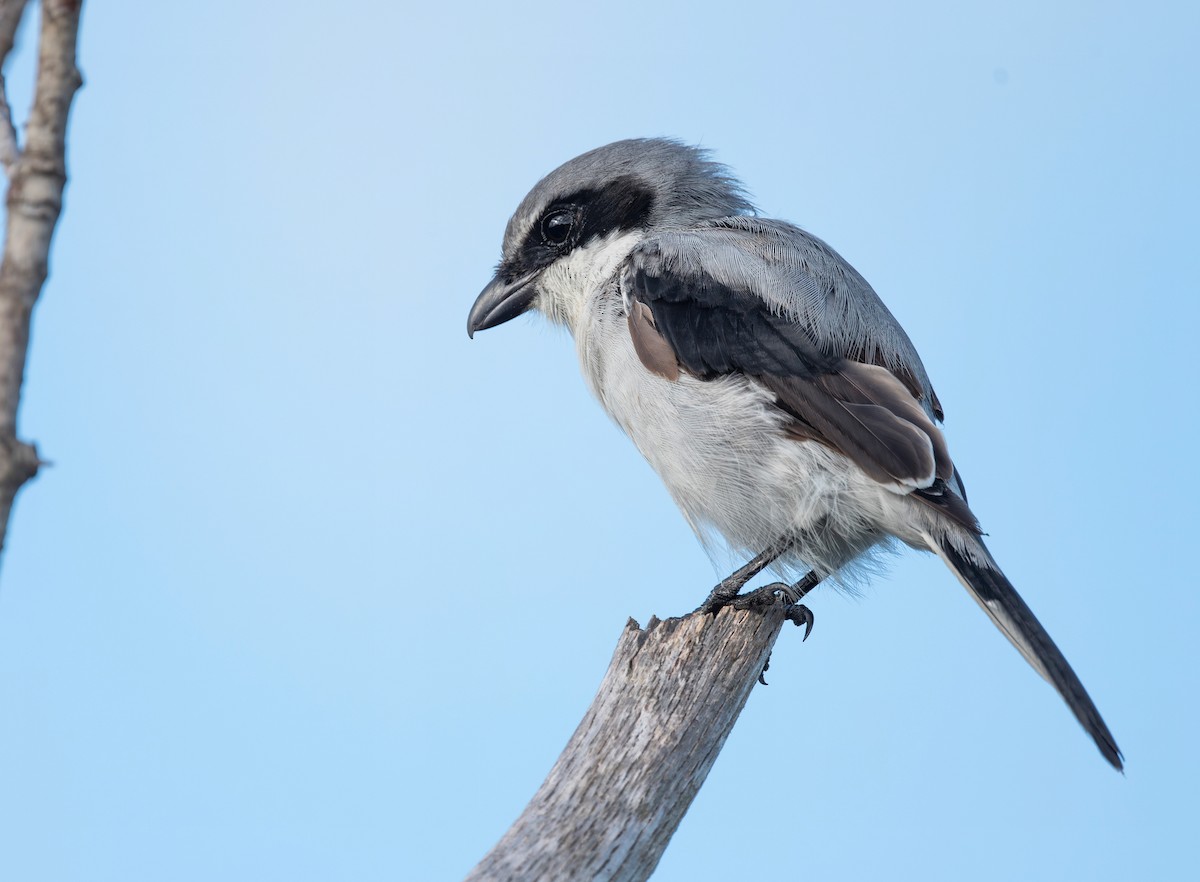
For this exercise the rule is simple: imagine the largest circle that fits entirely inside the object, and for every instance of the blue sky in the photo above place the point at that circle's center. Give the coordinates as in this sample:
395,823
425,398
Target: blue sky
317,588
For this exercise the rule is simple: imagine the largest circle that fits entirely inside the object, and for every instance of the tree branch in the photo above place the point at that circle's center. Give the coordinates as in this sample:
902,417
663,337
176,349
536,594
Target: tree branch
37,176
10,17
625,779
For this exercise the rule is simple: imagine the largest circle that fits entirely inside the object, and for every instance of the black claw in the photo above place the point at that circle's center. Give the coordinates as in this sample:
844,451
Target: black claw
799,614
762,675
714,603
726,594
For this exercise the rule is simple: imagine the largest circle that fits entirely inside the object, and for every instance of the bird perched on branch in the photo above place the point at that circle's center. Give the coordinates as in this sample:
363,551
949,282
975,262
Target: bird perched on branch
758,372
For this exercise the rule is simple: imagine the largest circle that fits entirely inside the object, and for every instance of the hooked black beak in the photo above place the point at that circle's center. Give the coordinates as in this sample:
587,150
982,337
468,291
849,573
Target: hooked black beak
500,302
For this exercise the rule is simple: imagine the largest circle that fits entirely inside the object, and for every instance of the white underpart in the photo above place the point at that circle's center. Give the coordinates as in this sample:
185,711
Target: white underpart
719,445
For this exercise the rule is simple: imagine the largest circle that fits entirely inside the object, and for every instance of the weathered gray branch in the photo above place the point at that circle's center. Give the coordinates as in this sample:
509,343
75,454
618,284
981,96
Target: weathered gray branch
10,17
624,781
36,175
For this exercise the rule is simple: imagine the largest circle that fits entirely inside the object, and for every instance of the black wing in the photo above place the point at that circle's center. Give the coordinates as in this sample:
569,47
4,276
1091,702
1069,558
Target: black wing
714,301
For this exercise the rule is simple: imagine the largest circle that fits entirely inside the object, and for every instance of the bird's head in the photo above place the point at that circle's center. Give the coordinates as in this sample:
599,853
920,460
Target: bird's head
559,234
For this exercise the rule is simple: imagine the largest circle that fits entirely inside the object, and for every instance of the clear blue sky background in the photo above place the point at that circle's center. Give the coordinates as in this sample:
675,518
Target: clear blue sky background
317,588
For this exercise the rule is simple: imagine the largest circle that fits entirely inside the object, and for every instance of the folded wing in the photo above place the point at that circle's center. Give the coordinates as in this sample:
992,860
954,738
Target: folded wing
767,300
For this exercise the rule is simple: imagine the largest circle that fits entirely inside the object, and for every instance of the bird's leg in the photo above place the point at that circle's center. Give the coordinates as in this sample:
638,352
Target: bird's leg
797,613
727,589
726,594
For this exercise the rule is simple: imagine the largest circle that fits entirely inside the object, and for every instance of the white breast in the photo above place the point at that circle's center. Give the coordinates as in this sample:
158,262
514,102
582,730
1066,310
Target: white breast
719,444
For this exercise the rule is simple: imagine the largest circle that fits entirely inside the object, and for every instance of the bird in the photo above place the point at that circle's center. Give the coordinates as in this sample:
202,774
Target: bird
784,407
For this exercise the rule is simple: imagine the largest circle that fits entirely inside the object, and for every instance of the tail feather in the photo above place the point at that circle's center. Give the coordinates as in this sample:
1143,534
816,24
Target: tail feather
996,595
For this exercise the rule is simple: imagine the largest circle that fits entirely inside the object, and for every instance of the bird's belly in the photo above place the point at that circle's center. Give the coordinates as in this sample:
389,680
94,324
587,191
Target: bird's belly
721,449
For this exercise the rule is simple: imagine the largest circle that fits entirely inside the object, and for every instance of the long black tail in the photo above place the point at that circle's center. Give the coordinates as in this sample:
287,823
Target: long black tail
1001,602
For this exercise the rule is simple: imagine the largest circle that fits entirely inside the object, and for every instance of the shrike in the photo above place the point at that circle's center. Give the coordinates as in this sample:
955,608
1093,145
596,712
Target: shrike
758,372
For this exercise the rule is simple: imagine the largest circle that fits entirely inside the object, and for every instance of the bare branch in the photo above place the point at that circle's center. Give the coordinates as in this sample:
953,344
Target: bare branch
10,18
629,773
34,202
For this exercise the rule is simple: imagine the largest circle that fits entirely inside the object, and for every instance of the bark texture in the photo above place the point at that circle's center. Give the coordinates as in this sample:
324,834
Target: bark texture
624,781
37,174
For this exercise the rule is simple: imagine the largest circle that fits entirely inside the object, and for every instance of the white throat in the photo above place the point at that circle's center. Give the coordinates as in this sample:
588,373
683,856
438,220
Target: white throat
567,285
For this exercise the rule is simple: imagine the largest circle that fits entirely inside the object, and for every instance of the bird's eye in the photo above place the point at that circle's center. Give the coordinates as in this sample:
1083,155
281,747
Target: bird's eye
556,227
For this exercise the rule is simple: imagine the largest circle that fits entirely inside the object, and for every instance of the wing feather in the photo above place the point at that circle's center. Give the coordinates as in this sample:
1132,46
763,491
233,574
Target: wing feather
767,300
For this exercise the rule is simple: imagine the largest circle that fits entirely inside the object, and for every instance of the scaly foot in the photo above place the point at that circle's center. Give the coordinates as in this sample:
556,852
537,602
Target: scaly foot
727,589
